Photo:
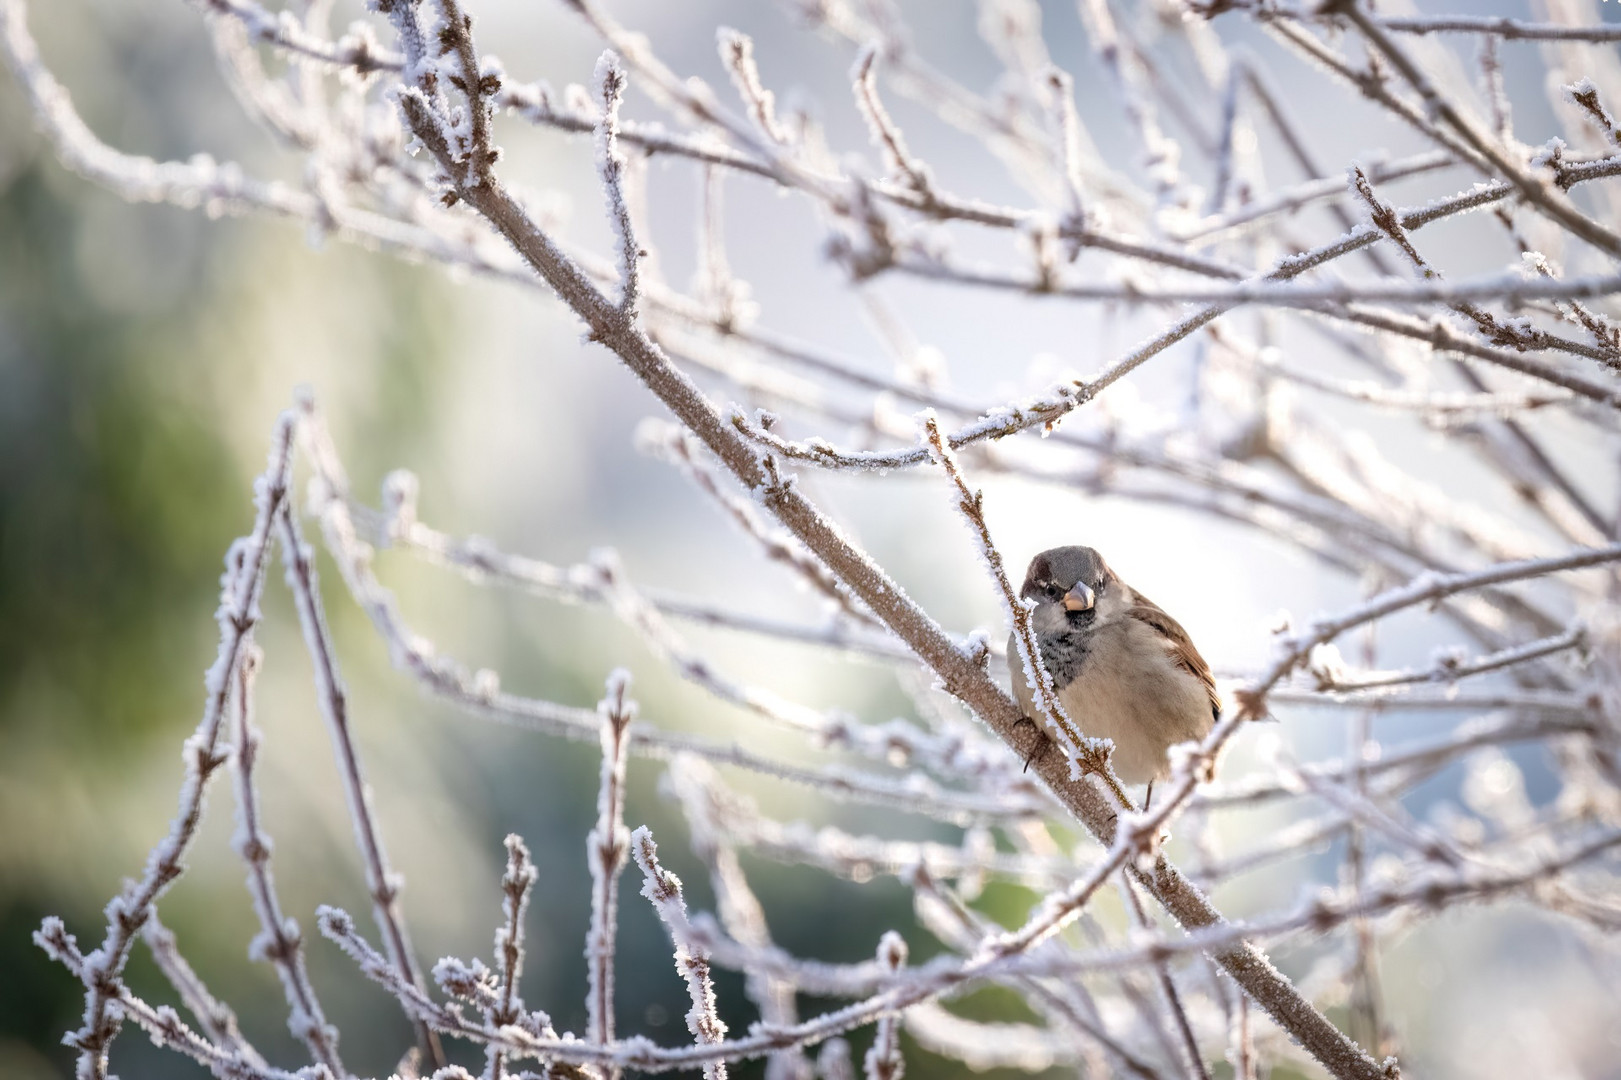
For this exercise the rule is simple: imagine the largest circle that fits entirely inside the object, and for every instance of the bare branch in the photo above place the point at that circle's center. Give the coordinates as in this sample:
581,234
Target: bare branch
516,885
737,54
238,615
606,848
663,891
279,941
884,133
217,1019
884,1060
383,884
1532,188
1500,26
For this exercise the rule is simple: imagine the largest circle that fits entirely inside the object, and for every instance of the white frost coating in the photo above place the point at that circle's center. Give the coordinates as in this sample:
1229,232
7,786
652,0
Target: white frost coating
977,645
459,978
605,848
833,1061
609,82
279,941
1585,95
885,135
884,1060
618,687
1326,664
485,685
516,885
400,489
663,890
737,55
1549,153
358,185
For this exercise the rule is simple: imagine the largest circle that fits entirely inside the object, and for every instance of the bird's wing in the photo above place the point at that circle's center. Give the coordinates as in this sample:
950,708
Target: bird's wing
1181,647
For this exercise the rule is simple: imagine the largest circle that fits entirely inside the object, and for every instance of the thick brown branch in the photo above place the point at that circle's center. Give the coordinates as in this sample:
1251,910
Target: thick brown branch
960,674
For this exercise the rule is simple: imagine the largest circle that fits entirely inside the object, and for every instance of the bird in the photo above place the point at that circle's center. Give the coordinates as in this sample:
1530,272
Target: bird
1123,669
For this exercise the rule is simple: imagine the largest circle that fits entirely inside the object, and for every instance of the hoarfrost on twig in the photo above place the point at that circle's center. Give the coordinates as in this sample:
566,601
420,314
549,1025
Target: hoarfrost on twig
393,126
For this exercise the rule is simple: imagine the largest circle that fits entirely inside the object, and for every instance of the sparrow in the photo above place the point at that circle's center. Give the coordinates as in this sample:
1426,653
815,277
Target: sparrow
1123,669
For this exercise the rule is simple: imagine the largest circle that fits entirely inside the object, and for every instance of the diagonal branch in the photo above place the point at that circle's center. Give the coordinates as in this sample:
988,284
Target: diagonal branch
1535,190
960,674
1091,756
241,586
279,941
382,883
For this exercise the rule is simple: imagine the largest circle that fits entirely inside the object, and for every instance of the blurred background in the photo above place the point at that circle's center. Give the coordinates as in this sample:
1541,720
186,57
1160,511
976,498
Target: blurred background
146,350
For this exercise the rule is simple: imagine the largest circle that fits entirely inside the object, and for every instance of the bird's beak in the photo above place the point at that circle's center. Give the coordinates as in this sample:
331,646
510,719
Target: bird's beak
1079,598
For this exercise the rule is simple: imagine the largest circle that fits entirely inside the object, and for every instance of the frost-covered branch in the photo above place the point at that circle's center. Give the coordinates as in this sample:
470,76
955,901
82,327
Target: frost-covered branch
884,1060
610,80
1264,345
1089,757
238,614
606,848
279,941
1500,26
516,885
884,132
161,1023
217,1019
382,883
663,891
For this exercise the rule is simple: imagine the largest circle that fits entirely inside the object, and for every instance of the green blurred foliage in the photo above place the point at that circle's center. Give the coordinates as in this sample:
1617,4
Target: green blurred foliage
113,494
130,428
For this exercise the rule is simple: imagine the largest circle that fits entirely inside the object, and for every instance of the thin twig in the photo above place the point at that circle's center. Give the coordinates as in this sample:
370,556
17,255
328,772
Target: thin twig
1193,1060
215,1017
606,848
516,885
238,615
663,891
884,1060
279,941
1500,26
383,884
1090,756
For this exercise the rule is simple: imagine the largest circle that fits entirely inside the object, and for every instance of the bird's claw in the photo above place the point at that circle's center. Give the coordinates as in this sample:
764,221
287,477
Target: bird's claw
1041,742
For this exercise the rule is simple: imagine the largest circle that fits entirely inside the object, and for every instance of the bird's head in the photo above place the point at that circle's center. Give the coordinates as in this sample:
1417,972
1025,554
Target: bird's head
1067,585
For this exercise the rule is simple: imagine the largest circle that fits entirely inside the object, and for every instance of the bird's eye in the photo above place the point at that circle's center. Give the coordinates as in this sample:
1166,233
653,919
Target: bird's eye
1053,591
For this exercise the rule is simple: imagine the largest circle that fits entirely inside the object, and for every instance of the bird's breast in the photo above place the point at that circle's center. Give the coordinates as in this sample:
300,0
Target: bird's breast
1120,683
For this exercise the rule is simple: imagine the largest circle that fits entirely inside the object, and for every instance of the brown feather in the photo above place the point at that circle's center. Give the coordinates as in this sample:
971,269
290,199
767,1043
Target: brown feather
1183,652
